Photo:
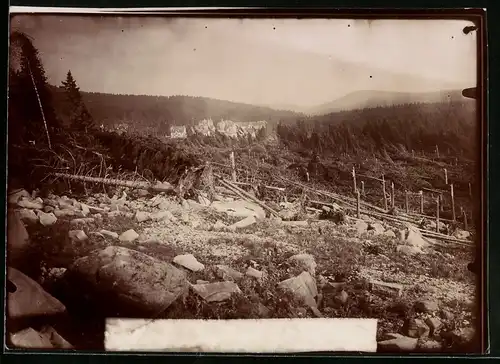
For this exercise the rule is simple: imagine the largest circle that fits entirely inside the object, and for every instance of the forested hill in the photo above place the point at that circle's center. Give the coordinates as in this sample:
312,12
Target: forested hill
160,111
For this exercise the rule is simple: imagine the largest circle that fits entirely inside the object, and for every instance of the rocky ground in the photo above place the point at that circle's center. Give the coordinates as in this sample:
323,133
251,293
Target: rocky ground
157,256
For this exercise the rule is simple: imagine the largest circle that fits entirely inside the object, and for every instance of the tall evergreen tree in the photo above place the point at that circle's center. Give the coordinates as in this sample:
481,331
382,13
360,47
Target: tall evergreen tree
31,113
77,114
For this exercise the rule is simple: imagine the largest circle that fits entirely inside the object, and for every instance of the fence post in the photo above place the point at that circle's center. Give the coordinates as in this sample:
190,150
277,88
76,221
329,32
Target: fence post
421,201
307,176
445,176
358,204
354,179
412,153
383,191
363,188
407,207
233,166
393,198
437,214
470,190
437,151
441,202
465,219
452,202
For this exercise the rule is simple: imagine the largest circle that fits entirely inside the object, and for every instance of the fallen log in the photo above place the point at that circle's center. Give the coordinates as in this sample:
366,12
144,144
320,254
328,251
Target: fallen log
281,189
116,182
246,196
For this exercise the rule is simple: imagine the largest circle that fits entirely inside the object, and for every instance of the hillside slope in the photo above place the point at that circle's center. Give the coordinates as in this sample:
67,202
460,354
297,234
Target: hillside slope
376,98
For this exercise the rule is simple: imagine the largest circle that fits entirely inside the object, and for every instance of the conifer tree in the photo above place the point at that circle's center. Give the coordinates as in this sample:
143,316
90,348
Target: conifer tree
78,116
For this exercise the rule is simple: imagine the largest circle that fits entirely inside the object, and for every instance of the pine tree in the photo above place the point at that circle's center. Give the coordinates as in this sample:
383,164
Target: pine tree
31,112
77,114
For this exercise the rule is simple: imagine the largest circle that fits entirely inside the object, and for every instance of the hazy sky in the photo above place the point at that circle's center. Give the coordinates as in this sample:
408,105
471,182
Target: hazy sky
272,61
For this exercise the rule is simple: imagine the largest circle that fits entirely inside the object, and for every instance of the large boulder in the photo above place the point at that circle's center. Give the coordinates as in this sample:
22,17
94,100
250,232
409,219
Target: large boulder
27,299
17,238
135,282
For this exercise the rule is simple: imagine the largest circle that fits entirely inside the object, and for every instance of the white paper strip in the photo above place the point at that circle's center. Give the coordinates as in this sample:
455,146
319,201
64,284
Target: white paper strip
242,336
67,10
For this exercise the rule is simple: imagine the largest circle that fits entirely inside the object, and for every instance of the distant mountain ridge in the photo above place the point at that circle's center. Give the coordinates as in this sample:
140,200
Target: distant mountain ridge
373,98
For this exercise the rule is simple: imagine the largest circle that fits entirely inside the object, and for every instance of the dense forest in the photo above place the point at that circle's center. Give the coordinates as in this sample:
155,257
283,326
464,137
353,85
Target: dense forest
418,126
160,112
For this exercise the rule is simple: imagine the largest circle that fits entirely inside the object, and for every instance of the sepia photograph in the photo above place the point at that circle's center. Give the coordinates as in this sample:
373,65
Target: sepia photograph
231,183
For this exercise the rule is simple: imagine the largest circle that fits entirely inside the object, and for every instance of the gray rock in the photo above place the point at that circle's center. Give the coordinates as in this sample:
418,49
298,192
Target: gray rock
377,228
29,298
305,261
398,343
239,208
77,235
303,287
57,340
163,216
137,279
242,224
110,234
46,219
216,292
434,324
447,315
430,345
30,204
189,261
17,195
361,226
219,225
30,339
415,239
416,328
390,289
82,221
390,234
228,273
252,272
28,215
128,236
141,216
426,305
408,250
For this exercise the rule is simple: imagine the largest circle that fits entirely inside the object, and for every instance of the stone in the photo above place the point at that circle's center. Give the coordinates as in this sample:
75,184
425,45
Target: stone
426,305
28,215
85,209
434,324
228,273
389,289
361,226
390,234
401,235
242,224
48,209
415,239
96,210
461,234
188,261
219,225
30,339
82,221
447,315
141,216
216,292
56,340
201,281
164,215
128,236
239,208
145,284
377,228
430,345
252,272
29,299
64,213
416,328
142,193
77,235
263,311
398,343
342,297
16,195
30,204
110,234
303,287
306,261
47,219
17,238
464,335
408,250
